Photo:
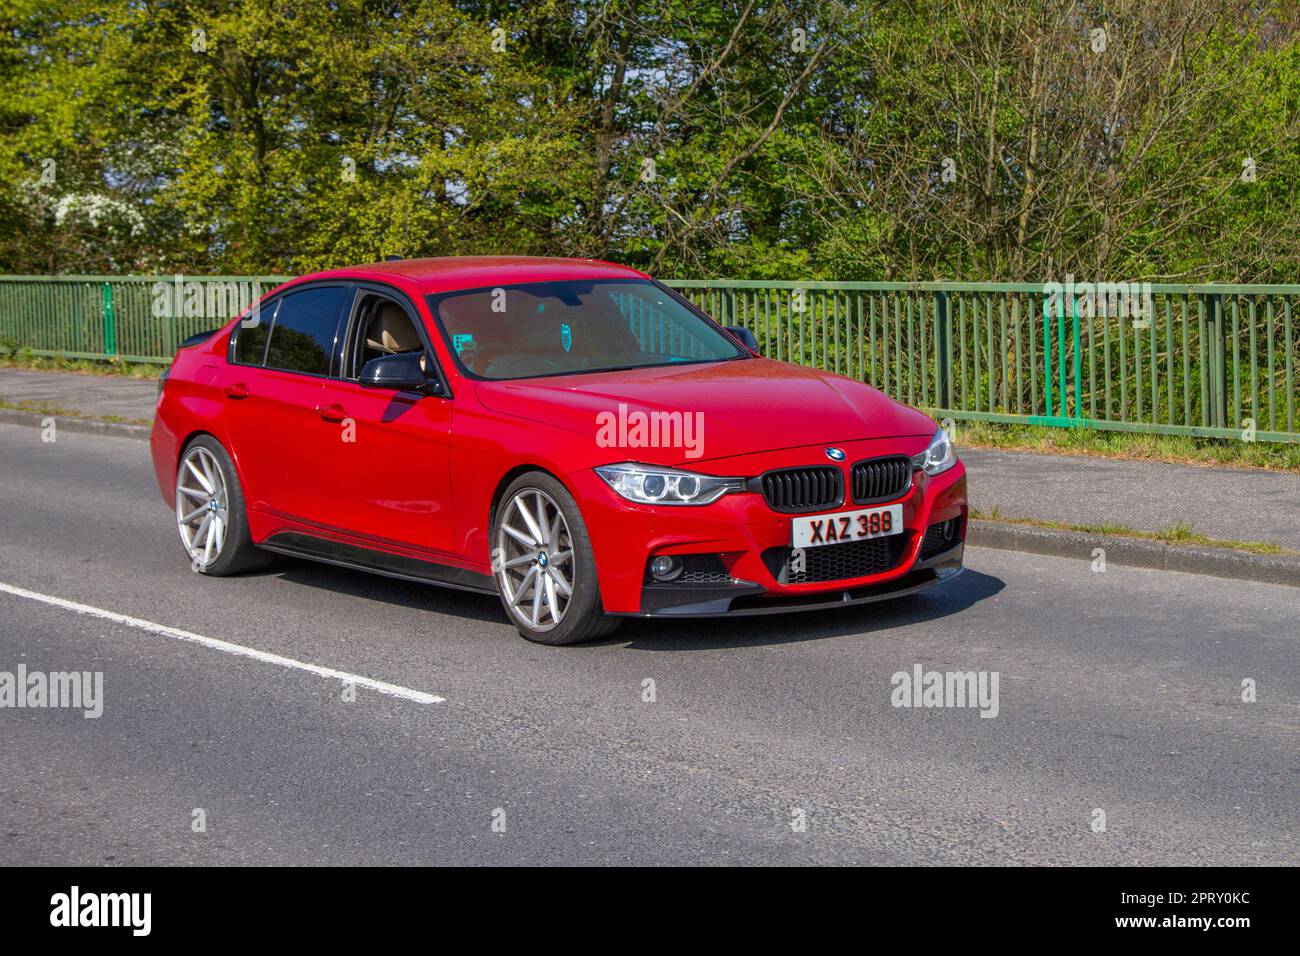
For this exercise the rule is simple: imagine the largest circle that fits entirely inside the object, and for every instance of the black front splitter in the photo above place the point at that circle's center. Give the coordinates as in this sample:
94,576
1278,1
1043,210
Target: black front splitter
747,600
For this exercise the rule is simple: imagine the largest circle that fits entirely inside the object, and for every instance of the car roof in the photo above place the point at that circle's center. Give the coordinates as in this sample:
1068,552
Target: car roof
450,273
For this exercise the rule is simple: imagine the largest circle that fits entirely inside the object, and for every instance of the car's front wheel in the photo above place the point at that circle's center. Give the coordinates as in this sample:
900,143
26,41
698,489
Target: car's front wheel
543,563
210,512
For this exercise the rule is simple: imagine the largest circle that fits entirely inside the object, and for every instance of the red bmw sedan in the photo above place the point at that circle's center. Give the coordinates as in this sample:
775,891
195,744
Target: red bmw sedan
568,434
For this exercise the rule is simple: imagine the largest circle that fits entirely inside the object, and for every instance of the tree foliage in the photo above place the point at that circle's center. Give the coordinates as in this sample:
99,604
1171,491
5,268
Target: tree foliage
927,139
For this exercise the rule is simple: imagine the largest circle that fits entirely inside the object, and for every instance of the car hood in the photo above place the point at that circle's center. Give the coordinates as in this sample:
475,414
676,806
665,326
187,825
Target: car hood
687,414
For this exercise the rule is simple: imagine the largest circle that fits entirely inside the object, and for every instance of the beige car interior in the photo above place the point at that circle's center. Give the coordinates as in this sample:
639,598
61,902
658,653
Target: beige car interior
391,331
387,330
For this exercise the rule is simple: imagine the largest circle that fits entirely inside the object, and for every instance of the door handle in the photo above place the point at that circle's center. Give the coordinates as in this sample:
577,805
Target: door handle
331,413
237,390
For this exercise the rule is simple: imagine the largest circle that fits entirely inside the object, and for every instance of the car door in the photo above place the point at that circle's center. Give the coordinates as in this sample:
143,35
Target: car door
272,386
385,455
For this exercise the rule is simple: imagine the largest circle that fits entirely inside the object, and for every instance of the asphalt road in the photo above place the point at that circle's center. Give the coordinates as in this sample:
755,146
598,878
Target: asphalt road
1118,691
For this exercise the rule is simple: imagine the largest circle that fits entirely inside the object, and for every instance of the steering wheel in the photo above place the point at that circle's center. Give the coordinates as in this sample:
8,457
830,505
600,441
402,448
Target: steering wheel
477,360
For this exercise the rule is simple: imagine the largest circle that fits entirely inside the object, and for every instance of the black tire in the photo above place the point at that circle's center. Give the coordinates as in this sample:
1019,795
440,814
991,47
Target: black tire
238,554
583,619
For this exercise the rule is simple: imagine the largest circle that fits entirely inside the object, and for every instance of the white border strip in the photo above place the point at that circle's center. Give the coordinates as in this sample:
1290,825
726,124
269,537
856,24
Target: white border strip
239,650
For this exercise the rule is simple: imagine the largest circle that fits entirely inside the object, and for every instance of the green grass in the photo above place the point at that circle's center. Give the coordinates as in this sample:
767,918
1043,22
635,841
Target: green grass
1277,456
1180,534
58,411
12,357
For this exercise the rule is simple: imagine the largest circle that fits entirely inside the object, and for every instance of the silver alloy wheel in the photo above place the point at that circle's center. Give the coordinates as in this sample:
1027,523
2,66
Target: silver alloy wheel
533,560
201,506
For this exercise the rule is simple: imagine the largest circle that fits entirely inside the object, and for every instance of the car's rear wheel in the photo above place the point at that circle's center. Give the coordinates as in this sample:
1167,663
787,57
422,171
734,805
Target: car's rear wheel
210,512
543,563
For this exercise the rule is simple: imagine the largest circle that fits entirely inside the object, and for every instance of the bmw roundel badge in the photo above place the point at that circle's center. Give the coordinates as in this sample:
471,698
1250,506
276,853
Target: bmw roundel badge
835,454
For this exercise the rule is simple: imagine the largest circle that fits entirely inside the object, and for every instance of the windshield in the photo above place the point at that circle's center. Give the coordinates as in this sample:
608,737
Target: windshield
562,328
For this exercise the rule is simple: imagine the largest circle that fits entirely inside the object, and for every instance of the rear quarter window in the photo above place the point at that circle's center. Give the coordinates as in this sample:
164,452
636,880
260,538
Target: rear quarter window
250,337
304,330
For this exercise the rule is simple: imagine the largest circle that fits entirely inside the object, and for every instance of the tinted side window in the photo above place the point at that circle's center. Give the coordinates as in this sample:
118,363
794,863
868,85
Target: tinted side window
250,337
302,337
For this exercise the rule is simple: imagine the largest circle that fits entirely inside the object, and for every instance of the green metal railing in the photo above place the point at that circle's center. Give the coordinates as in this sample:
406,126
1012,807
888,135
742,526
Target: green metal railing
1205,360
114,317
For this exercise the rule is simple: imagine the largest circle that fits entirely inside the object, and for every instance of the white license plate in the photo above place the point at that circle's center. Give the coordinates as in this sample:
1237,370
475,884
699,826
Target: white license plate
813,532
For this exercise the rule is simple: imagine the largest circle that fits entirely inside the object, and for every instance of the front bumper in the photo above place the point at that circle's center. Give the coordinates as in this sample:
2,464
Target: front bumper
740,529
746,599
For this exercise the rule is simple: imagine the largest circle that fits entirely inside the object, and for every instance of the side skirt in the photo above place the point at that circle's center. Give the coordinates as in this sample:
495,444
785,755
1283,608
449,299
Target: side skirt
298,545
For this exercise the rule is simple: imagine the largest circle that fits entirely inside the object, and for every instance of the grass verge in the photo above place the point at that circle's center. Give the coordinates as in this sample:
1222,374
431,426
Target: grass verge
1175,534
20,358
57,411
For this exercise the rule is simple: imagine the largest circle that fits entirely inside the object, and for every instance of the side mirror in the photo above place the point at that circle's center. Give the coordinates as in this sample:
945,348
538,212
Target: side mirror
746,337
403,372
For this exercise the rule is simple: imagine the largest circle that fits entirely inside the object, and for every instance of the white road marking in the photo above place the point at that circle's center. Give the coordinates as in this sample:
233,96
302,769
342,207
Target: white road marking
392,690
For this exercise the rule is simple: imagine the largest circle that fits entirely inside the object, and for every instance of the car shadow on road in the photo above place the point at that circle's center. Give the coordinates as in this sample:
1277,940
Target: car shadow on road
661,634
394,591
950,597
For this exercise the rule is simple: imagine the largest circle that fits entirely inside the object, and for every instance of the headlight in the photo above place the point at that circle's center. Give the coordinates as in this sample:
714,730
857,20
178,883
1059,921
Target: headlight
650,485
939,457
